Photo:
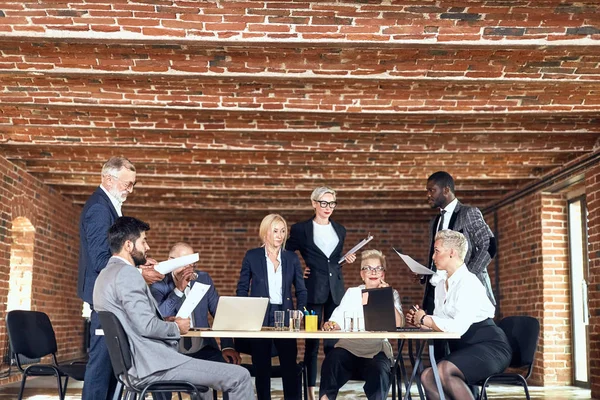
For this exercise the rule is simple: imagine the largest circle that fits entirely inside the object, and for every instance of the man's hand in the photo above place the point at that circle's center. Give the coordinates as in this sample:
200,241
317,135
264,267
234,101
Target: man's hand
183,324
231,356
149,274
183,277
306,272
169,319
331,326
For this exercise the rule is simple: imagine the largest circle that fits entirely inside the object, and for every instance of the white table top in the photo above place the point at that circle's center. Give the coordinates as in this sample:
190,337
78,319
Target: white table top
272,333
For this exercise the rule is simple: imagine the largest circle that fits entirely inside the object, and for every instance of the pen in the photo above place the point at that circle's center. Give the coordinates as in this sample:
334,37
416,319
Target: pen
415,308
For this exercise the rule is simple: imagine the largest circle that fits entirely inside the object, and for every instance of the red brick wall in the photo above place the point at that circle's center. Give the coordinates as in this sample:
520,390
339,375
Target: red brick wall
55,252
222,245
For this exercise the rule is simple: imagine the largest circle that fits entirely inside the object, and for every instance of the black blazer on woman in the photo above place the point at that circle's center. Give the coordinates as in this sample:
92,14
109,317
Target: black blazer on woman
254,279
325,273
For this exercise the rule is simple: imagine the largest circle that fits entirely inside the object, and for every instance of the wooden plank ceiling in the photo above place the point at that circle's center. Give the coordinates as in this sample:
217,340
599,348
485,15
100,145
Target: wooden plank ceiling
241,108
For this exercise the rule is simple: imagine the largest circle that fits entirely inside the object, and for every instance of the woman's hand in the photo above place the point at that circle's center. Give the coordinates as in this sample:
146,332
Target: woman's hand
350,258
383,283
410,315
306,272
331,326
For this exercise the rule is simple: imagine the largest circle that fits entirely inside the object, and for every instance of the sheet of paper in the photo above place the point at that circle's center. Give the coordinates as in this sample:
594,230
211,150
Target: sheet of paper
413,265
171,265
356,248
192,299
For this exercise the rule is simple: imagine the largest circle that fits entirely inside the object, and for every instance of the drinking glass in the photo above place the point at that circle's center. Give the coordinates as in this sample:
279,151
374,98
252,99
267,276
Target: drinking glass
295,319
279,315
349,321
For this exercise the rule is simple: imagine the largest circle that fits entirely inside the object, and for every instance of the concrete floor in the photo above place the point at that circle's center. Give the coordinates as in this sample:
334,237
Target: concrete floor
44,388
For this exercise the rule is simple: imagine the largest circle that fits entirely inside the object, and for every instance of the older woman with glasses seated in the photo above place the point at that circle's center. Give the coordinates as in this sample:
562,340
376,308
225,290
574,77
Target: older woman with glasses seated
320,240
371,359
461,306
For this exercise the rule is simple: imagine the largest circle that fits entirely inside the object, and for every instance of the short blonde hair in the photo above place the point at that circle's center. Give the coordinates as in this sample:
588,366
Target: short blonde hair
453,240
368,254
267,224
320,192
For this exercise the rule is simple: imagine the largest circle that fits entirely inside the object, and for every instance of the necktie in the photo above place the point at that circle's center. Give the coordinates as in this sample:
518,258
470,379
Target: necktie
187,341
439,228
441,225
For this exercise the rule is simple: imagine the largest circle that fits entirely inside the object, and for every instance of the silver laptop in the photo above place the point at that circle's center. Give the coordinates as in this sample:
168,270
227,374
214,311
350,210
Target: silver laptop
240,313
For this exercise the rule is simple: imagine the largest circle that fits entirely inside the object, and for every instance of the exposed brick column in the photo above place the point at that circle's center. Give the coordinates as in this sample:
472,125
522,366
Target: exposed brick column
592,183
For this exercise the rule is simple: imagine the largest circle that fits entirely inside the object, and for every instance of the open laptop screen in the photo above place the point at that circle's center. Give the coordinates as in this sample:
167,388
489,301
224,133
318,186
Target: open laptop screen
240,313
379,309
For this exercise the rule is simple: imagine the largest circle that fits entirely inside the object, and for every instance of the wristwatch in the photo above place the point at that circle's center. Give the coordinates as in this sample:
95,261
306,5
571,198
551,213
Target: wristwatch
422,321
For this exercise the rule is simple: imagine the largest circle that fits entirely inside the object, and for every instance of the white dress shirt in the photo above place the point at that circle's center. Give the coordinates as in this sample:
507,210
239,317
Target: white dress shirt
449,210
116,203
275,280
325,238
463,304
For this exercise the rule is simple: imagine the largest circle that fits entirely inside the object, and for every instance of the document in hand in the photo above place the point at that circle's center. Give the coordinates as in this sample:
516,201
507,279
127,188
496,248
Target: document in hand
192,299
413,265
171,265
356,248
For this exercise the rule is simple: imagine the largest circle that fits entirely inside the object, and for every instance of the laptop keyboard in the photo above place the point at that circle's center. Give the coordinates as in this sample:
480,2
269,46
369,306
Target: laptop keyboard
409,329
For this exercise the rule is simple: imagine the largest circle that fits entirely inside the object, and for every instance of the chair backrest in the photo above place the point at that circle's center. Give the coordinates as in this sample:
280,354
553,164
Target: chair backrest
523,333
30,333
116,342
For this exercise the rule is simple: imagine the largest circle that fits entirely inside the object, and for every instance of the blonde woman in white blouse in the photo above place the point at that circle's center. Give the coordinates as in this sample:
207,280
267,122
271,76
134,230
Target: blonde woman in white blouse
461,306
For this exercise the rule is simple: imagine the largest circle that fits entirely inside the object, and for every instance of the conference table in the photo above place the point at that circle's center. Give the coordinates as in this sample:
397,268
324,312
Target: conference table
422,338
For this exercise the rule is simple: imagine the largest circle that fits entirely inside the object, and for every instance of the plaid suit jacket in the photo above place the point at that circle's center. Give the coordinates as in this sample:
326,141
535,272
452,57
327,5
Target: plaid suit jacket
482,244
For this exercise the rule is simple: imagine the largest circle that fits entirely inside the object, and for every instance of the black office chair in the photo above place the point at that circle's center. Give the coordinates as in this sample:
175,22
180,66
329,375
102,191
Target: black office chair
243,346
523,333
121,360
31,335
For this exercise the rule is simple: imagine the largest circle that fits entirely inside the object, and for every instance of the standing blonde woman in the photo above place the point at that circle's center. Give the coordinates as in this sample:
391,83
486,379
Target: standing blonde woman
320,240
271,271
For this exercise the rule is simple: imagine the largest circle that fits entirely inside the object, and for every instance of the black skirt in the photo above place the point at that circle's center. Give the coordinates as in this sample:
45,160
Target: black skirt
481,351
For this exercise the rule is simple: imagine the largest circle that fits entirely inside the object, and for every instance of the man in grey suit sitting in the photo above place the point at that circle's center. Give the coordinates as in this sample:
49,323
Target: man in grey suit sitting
121,289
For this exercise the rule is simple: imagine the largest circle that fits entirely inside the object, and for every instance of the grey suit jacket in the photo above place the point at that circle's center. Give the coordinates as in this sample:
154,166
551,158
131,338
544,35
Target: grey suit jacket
482,244
121,290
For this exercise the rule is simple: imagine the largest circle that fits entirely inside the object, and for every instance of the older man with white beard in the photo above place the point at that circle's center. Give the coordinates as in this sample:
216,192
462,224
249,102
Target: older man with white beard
99,213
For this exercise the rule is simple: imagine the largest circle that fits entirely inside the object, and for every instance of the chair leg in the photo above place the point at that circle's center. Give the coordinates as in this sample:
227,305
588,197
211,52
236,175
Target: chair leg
65,386
61,395
22,386
214,394
526,391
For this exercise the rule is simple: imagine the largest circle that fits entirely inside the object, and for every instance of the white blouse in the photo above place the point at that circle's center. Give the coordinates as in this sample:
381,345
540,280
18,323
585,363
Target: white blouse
275,279
325,238
463,304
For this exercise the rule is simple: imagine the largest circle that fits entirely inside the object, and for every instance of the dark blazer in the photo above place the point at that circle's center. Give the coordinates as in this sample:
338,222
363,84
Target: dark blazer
254,281
97,216
325,273
169,304
482,244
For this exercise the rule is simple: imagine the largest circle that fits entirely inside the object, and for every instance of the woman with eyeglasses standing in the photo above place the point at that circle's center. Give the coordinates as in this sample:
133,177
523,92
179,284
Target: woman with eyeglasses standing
371,358
320,241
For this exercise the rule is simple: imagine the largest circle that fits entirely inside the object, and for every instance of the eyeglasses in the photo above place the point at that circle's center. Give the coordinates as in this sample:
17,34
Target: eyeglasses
376,269
128,185
324,204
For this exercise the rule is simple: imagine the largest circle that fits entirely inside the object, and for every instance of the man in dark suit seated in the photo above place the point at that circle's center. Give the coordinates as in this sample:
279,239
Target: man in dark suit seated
121,289
170,293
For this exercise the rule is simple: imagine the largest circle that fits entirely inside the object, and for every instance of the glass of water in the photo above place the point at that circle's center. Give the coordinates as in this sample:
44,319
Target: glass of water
349,321
279,315
295,319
